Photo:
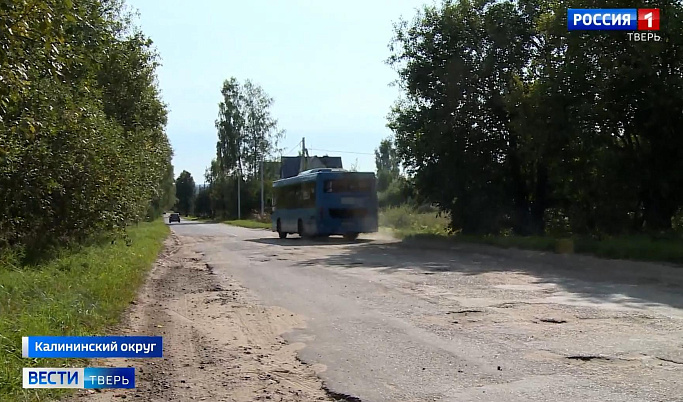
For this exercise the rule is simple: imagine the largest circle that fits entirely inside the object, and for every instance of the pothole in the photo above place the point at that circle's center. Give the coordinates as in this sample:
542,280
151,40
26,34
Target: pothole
465,312
669,360
341,397
552,320
588,358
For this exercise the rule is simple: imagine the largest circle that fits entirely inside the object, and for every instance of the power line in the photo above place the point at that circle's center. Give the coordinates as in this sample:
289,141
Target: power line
341,152
294,147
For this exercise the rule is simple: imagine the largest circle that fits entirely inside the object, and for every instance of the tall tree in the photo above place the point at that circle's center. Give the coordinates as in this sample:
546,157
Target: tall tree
387,164
636,94
165,198
247,132
185,192
82,142
386,157
520,116
262,133
231,127
455,66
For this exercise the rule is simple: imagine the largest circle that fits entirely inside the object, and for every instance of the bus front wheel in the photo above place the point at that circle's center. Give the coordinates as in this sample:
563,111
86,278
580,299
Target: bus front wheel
351,236
283,235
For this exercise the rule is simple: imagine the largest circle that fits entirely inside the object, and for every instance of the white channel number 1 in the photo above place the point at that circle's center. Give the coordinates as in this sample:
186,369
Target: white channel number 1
648,17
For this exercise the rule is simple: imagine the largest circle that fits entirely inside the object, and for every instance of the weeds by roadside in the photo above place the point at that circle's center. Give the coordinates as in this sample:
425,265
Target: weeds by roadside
78,292
245,223
251,224
406,222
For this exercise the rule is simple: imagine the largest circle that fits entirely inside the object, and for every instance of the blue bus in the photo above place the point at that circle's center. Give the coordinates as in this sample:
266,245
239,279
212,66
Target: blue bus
324,202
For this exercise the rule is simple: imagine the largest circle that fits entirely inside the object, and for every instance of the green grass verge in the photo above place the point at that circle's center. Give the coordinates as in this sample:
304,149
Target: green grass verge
251,224
529,243
197,219
78,292
639,248
643,248
406,223
245,223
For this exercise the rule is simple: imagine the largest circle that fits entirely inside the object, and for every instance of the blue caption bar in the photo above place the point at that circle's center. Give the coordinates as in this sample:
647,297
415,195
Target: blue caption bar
91,346
602,19
89,377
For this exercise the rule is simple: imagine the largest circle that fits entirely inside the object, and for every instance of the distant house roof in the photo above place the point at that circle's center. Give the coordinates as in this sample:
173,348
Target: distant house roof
292,165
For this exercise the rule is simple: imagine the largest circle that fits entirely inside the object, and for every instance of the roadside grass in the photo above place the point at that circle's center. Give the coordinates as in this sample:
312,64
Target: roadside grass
406,223
249,223
245,223
77,292
528,243
197,219
643,248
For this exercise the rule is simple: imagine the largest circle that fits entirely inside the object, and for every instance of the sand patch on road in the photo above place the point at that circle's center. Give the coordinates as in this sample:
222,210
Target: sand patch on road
219,344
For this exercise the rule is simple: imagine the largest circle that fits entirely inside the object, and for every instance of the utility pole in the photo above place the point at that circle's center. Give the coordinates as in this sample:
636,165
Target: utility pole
261,187
239,196
304,156
302,163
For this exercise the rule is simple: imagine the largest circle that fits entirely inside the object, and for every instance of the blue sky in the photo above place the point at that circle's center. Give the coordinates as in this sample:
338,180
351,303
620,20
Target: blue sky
321,61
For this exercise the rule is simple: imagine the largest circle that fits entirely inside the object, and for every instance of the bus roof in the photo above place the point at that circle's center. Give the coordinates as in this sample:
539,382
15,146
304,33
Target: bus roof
312,175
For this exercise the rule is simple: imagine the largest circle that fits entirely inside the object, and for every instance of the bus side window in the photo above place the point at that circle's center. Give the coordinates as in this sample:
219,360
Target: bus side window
311,191
287,197
308,194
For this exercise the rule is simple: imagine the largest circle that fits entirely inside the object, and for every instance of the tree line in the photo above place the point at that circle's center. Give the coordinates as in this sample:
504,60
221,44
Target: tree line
83,149
248,136
512,124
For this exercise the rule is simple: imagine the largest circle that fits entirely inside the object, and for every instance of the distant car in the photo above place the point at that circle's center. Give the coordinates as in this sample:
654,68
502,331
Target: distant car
175,217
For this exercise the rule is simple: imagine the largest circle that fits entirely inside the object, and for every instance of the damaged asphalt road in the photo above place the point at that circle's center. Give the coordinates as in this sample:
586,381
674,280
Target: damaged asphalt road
246,316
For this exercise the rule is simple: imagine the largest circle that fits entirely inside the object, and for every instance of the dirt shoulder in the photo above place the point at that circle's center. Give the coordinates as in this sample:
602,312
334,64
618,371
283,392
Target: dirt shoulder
219,344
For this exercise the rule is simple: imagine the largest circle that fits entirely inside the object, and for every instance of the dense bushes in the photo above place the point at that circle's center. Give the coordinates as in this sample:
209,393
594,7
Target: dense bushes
82,142
408,220
509,122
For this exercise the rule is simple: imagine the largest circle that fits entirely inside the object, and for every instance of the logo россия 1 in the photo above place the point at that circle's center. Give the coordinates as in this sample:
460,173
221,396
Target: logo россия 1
648,19
641,20
613,19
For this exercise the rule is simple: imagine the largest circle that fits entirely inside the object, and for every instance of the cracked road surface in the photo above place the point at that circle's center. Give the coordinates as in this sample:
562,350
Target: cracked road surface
382,320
